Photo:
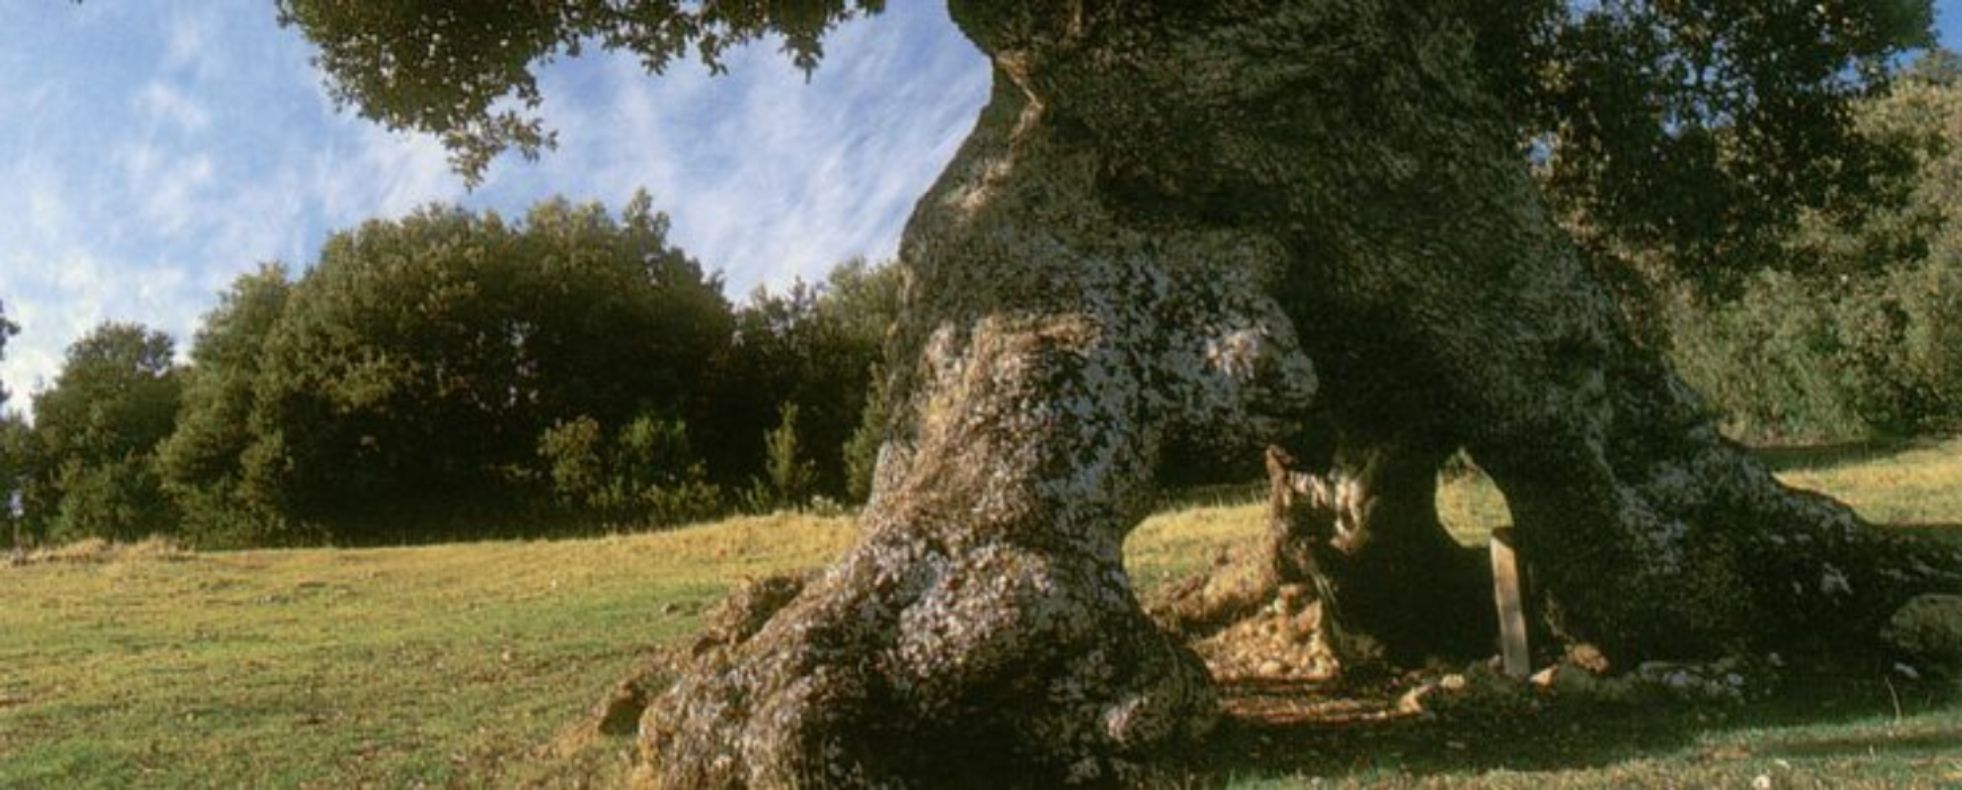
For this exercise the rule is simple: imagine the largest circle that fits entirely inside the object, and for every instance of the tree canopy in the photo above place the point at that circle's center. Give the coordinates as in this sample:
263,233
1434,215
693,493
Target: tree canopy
1700,129
413,370
1695,130
95,432
453,374
457,69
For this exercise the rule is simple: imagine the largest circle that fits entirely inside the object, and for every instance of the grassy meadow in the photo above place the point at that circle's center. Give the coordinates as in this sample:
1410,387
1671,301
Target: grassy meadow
463,664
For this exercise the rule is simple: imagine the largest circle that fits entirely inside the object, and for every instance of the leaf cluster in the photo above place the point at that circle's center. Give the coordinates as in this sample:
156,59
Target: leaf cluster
464,70
1701,129
1867,338
88,459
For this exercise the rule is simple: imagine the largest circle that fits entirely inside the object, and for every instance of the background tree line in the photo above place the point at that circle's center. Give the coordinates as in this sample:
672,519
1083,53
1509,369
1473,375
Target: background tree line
452,375
1846,323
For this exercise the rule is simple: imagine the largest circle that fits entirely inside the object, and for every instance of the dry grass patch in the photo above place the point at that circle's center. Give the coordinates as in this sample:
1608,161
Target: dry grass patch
99,551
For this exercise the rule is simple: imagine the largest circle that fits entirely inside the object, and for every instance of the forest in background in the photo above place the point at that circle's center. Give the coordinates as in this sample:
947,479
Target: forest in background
455,375
452,375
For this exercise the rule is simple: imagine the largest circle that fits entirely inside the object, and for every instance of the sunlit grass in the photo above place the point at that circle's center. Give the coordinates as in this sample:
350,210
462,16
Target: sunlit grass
1918,485
388,666
458,664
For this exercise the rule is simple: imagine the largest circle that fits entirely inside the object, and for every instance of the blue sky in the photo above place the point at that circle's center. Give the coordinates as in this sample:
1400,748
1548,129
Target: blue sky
151,152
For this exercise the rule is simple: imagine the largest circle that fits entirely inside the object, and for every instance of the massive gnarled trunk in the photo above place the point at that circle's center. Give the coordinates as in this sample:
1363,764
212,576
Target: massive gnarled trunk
1165,212
984,625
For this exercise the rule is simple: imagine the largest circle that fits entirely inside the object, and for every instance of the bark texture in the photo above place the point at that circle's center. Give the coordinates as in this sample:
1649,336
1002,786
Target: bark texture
1165,211
1362,525
1443,307
984,629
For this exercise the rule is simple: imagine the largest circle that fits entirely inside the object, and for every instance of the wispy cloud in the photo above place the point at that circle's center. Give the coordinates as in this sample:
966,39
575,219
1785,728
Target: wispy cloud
166,148
769,176
161,101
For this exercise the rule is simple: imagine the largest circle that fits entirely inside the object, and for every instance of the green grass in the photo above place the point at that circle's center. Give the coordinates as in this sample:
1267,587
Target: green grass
389,666
461,664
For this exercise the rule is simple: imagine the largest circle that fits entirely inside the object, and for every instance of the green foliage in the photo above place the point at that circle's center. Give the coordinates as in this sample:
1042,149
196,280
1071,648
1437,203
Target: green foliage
14,447
413,370
117,394
90,458
791,475
645,474
452,68
1791,361
218,388
862,300
1932,300
202,463
450,374
1864,340
571,451
862,449
114,499
1771,361
16,444
811,346
1698,131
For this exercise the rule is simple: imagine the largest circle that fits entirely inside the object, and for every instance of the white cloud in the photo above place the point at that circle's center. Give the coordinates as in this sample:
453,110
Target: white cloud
50,284
189,47
767,176
227,154
163,102
403,172
171,188
187,42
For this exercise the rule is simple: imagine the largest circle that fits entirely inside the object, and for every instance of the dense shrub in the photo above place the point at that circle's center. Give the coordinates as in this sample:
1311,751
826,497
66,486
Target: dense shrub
118,499
792,476
1772,361
812,347
403,388
202,464
88,464
643,474
1869,338
1791,360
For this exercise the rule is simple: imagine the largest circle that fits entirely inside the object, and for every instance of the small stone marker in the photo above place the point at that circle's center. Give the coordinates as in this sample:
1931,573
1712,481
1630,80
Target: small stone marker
1512,615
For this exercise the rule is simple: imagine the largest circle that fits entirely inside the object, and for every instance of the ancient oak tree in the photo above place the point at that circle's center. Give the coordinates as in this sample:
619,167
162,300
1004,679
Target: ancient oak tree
1301,221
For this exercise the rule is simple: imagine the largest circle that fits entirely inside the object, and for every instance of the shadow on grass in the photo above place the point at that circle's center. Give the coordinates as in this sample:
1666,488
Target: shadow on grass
1820,722
1942,740
1832,455
1949,532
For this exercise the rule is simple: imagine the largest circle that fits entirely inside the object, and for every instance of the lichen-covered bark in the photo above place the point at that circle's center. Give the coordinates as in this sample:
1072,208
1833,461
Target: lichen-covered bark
1166,210
1444,307
984,628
